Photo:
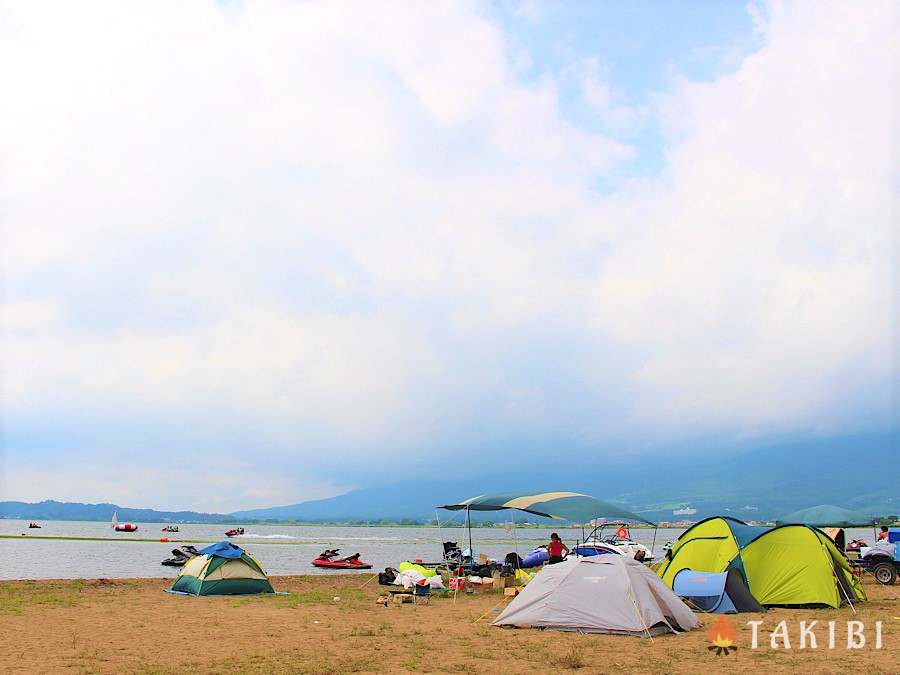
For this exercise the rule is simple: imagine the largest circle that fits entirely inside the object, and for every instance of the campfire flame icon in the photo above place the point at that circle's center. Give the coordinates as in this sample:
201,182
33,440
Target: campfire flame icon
723,637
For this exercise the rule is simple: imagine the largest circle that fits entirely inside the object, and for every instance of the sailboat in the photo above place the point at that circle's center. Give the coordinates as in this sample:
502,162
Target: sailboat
122,527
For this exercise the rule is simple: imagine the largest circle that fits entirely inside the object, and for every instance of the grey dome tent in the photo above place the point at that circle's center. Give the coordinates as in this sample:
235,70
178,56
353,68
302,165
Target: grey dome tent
599,594
719,593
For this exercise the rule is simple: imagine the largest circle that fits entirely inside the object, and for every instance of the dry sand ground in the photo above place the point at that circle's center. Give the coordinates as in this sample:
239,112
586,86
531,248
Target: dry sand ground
103,626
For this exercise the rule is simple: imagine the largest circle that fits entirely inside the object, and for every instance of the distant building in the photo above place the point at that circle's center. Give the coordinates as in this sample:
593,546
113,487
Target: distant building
684,511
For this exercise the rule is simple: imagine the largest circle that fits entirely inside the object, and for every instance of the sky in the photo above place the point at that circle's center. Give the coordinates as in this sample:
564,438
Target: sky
255,253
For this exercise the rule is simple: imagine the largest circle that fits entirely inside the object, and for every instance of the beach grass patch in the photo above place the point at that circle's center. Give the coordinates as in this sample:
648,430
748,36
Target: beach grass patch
572,659
16,598
296,664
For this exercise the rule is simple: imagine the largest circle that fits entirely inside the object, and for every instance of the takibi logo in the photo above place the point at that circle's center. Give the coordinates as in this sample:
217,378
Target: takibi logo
723,636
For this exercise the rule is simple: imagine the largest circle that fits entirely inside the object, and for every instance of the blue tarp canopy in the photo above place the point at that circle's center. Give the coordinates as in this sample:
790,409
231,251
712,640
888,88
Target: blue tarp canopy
224,549
573,506
826,515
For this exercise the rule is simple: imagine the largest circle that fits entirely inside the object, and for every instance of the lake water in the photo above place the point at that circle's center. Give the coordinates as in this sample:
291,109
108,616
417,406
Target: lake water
282,549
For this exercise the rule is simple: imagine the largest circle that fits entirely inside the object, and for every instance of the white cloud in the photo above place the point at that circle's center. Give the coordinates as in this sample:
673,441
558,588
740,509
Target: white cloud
342,226
761,283
612,110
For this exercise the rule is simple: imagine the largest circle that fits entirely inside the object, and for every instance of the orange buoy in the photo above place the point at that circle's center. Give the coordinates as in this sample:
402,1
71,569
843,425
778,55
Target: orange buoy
622,533
164,539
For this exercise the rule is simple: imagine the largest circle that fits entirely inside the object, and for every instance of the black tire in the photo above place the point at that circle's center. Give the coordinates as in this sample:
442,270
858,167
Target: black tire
885,573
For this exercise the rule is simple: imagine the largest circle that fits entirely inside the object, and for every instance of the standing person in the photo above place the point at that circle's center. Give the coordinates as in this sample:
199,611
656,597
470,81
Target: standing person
556,549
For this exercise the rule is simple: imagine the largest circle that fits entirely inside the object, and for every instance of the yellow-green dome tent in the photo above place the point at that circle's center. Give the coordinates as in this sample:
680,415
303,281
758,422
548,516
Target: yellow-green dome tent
789,565
222,569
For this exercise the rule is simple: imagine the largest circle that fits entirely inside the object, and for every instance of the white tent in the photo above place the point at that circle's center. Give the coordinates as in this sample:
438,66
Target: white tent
599,594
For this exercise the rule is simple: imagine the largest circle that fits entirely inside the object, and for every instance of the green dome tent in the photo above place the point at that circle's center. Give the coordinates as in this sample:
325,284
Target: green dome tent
826,515
789,565
222,569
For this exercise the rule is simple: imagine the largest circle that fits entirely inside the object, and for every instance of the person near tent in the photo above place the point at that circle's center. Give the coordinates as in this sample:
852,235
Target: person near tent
556,549
883,535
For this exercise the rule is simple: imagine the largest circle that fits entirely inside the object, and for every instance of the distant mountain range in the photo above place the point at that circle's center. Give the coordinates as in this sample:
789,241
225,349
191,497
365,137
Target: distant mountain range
762,482
52,510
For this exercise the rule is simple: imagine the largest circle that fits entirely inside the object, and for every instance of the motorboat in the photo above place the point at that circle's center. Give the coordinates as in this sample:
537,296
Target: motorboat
234,532
180,556
328,559
170,528
619,543
122,527
34,526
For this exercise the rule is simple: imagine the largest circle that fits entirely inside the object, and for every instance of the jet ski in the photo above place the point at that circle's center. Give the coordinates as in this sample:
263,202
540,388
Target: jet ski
180,556
34,525
235,532
170,528
329,560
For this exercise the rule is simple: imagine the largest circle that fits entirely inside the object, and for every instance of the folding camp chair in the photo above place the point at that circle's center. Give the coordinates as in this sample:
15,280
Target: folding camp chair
421,594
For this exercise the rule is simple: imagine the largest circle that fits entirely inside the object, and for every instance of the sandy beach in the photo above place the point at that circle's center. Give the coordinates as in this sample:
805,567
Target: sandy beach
110,626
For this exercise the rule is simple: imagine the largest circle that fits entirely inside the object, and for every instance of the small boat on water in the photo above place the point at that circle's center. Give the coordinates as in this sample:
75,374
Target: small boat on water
122,527
34,526
235,532
329,560
170,528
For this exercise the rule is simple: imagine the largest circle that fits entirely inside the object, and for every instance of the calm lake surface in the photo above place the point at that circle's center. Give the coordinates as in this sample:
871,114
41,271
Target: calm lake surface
282,549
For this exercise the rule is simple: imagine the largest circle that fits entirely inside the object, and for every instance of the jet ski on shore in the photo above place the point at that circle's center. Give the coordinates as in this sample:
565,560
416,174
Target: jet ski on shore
180,556
329,560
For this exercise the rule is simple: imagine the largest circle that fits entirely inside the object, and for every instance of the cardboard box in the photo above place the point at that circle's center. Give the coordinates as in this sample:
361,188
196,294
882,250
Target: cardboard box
512,591
504,582
401,598
486,586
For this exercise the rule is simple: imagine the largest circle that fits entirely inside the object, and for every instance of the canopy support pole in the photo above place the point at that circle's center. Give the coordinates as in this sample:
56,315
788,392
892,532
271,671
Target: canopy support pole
653,545
515,533
469,526
437,519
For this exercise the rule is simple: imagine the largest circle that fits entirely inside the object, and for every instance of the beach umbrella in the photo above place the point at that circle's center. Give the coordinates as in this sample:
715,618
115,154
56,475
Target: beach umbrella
573,506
